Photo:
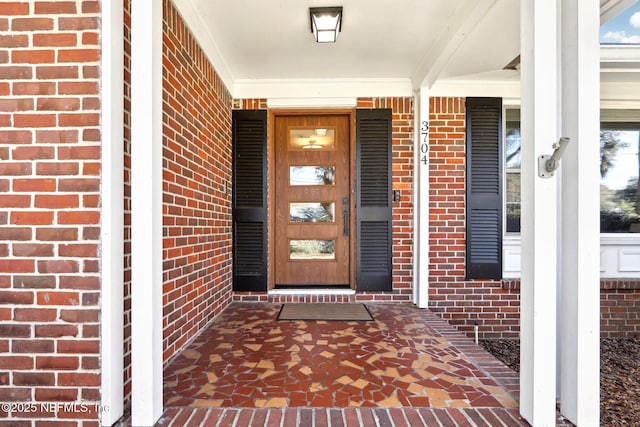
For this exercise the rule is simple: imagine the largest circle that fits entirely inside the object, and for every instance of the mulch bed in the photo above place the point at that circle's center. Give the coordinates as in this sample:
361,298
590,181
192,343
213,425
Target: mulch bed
619,376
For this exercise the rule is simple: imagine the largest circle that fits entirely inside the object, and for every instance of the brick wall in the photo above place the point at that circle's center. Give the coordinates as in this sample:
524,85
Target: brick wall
250,104
494,305
196,187
402,154
402,135
461,302
49,206
620,308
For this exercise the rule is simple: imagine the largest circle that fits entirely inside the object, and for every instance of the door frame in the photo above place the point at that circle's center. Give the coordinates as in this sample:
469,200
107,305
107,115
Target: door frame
271,185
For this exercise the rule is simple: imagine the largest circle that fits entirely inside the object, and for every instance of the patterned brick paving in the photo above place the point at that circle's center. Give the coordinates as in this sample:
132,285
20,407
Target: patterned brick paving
307,415
406,357
480,414
406,368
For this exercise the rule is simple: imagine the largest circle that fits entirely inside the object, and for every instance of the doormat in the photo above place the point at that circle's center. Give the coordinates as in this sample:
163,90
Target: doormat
324,311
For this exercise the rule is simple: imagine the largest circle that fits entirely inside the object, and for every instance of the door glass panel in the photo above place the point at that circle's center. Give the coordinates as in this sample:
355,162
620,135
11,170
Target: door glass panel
312,212
312,249
312,139
312,175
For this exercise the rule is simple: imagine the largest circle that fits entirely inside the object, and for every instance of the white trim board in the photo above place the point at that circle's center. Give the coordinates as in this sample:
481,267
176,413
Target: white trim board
112,214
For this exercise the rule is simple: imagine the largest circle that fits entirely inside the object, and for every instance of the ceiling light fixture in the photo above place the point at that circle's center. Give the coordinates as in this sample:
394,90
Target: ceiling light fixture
326,23
313,144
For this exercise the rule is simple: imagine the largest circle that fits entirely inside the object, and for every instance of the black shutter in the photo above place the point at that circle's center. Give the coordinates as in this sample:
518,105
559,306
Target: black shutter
249,200
374,208
484,188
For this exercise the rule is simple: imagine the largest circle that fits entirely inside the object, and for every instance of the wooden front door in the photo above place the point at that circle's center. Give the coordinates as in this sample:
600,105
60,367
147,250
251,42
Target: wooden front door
312,200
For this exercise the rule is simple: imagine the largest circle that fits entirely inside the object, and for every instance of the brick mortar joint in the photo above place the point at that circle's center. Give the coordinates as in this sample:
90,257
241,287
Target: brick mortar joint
605,284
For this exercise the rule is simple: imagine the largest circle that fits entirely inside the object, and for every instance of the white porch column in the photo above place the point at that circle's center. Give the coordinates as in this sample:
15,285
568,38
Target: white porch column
112,227
421,201
539,118
146,215
579,313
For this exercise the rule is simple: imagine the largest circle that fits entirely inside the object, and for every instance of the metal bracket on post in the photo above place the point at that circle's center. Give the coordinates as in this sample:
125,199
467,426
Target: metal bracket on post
547,164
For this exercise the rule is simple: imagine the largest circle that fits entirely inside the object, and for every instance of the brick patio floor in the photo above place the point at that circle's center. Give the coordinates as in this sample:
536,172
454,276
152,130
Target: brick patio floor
406,367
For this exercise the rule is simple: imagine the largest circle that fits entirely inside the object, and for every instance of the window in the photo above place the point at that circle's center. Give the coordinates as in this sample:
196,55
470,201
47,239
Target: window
512,168
623,28
619,171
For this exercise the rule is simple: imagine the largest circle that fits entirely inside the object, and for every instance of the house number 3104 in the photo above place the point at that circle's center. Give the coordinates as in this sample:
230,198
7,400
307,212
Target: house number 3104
424,145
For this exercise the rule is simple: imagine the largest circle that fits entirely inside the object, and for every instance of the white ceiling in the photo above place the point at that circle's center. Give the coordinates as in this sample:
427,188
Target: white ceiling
380,39
413,41
272,39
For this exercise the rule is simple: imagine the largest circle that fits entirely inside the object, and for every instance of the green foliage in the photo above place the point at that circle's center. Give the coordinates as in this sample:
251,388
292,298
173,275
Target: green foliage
610,143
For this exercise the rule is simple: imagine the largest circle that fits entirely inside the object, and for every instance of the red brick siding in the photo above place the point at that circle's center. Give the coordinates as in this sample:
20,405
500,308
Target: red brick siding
402,135
50,207
459,301
127,205
620,308
402,158
196,173
250,104
494,305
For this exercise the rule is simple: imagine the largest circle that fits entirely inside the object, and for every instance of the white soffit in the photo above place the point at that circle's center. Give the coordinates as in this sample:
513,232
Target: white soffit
485,49
266,50
611,8
261,47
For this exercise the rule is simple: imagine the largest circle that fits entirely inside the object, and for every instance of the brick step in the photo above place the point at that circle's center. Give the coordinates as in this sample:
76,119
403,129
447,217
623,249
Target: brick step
343,417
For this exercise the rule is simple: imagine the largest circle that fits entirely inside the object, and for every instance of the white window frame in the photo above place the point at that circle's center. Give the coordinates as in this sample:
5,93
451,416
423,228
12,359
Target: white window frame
619,252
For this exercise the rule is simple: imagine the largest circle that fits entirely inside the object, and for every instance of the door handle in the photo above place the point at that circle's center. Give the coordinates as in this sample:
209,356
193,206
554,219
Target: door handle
345,225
